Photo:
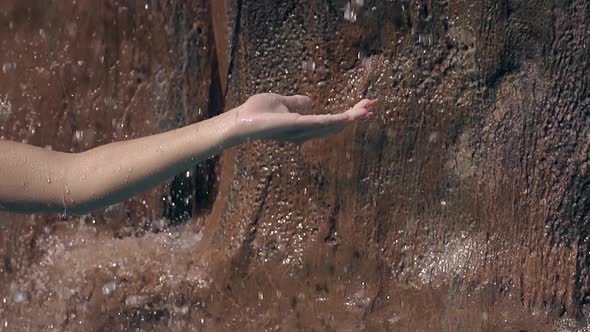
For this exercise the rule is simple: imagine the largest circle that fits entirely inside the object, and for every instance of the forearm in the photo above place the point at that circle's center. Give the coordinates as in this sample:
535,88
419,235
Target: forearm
115,172
38,180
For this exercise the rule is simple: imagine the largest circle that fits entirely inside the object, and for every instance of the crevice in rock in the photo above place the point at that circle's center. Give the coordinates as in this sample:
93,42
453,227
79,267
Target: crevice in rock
206,174
331,237
234,44
243,259
192,193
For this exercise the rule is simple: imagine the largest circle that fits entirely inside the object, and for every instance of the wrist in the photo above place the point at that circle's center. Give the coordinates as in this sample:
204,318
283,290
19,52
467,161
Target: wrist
230,129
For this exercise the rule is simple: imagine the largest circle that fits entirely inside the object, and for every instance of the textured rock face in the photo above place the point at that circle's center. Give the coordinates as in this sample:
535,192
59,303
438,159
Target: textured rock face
78,74
462,207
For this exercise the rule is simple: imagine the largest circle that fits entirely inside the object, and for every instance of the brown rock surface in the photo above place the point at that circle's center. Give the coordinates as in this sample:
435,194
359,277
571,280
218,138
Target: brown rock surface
463,207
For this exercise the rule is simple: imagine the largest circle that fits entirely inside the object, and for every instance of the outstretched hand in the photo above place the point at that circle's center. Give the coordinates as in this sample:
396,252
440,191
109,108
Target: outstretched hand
115,172
272,116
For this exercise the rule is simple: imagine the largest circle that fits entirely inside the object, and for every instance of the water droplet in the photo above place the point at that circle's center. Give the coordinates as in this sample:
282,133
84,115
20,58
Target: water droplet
349,13
5,108
109,288
78,135
21,297
135,300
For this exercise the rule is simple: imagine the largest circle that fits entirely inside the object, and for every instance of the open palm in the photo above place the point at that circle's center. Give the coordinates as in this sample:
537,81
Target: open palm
271,116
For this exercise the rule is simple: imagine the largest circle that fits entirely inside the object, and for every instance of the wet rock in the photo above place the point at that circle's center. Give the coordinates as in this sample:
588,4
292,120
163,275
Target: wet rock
461,207
452,191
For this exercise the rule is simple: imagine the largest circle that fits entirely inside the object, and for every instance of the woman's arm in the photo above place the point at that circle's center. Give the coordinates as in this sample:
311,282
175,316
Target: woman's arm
34,180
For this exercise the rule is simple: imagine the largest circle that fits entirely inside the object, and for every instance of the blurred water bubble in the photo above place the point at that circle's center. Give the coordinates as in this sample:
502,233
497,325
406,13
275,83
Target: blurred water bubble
22,297
109,288
360,299
5,108
135,300
181,310
308,65
434,137
349,13
78,135
425,39
352,8
7,67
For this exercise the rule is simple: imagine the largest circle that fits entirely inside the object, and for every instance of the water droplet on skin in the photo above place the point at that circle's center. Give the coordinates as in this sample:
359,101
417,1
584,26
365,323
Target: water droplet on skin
48,179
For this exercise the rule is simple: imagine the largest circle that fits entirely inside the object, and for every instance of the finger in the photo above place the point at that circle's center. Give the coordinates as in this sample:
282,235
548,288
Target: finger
366,103
358,113
363,103
361,111
325,129
323,120
298,103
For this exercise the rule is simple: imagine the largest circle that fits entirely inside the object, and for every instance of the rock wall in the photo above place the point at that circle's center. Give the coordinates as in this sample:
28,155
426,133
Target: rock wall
78,74
464,206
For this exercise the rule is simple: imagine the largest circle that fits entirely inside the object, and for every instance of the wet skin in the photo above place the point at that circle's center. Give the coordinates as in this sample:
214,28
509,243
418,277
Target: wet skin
35,180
